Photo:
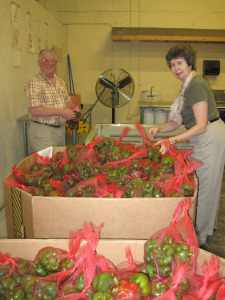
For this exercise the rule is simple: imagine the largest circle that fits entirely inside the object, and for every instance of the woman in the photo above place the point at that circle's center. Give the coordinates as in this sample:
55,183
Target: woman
195,108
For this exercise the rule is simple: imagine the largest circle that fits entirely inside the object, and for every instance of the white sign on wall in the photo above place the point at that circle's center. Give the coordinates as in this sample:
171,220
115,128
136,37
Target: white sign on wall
30,46
15,20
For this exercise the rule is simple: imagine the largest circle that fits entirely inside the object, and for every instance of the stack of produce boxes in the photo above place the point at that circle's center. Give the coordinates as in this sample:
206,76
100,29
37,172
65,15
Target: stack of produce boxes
128,211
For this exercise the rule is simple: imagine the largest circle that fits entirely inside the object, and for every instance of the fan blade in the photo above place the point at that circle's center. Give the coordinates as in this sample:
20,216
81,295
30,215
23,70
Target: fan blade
115,99
106,83
121,84
128,98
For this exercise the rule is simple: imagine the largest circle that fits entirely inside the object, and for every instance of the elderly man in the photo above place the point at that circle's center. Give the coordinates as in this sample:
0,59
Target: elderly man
49,104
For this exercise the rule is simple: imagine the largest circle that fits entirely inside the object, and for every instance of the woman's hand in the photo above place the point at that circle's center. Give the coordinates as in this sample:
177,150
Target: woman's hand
164,144
153,132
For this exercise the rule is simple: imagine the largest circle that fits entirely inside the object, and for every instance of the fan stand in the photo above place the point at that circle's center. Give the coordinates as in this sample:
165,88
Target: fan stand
113,115
90,109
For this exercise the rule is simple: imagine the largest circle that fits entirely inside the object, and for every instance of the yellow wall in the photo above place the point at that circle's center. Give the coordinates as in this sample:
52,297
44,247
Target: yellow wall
13,78
92,52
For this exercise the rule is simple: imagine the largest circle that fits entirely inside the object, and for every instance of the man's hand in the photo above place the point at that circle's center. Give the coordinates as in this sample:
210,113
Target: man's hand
68,113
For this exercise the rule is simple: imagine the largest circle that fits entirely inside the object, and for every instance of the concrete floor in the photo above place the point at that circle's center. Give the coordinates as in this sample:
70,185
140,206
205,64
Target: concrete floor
214,244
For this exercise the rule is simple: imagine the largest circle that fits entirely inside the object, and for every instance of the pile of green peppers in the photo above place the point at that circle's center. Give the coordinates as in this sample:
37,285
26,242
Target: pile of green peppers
119,163
163,254
107,287
35,288
12,279
50,260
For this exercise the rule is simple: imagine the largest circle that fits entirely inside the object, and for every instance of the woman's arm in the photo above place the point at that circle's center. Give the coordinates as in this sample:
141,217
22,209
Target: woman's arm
200,111
166,127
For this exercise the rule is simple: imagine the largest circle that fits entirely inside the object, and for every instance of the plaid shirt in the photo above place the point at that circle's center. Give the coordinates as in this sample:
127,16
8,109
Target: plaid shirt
40,91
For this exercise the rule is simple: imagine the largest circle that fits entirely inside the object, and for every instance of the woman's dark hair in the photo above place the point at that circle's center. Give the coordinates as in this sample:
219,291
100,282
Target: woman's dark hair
181,50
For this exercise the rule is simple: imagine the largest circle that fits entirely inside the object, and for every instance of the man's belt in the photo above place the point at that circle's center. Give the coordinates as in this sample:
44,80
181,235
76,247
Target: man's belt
55,126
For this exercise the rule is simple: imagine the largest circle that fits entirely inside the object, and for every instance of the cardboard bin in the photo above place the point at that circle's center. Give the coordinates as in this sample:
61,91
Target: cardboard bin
114,250
55,217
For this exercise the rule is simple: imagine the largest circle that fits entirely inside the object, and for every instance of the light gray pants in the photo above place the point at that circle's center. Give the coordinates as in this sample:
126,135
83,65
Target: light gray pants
44,136
209,149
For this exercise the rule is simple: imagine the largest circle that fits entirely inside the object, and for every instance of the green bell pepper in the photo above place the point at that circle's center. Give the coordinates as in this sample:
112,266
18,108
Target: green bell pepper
103,282
102,296
150,270
143,283
166,270
50,259
66,264
17,294
79,282
158,289
182,252
40,289
39,269
7,284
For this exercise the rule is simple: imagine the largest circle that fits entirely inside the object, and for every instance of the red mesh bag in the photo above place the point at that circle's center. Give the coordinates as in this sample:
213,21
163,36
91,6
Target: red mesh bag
58,190
71,152
210,281
176,286
176,242
123,134
51,260
85,268
132,188
148,189
142,152
29,189
84,188
182,184
25,176
166,166
68,182
123,152
36,288
14,272
87,164
132,282
148,168
126,149
41,159
58,157
103,149
47,166
142,133
118,282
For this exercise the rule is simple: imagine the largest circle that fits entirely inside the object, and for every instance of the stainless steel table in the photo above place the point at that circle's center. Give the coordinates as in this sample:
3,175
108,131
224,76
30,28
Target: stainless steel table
86,111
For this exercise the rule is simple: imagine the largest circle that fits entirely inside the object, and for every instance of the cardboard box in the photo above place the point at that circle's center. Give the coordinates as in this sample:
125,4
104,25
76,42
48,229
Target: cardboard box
55,217
114,250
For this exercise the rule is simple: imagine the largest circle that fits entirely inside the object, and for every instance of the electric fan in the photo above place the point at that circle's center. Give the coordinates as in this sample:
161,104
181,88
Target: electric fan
114,88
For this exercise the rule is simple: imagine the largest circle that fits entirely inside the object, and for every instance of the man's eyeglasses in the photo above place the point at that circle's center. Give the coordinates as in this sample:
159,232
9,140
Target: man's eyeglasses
48,61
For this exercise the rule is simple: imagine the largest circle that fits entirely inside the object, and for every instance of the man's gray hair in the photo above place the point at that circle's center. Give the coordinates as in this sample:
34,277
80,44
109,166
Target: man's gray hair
46,51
